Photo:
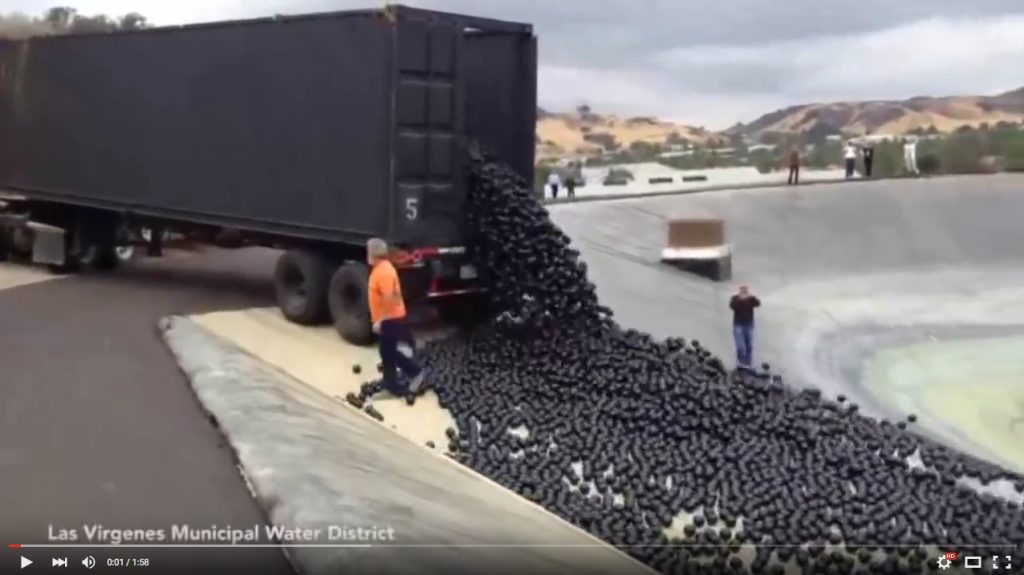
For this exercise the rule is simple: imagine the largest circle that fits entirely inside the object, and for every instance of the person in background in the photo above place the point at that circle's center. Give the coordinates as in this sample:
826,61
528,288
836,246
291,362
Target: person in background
910,155
570,186
794,165
850,155
742,305
387,312
553,182
868,153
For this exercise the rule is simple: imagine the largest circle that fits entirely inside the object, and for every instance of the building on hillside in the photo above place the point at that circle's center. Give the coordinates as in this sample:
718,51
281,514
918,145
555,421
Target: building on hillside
679,147
675,154
879,138
720,152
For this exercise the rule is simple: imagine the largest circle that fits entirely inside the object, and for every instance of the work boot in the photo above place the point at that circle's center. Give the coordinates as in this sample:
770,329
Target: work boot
416,384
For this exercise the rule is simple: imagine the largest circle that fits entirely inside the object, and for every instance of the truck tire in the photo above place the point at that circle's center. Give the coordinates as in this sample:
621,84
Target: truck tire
350,309
300,284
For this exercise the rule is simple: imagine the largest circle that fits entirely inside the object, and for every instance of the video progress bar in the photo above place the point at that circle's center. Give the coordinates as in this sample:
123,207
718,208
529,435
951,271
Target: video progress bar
444,546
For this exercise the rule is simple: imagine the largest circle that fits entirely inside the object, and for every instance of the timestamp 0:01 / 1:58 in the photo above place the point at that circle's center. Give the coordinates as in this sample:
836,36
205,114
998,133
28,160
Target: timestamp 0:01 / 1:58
128,562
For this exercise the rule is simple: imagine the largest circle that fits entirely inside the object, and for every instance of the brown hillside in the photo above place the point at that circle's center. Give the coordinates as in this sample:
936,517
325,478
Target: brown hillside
893,117
588,134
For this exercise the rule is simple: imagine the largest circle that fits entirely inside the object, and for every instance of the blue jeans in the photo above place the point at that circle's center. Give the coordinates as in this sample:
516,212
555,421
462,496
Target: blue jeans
743,334
392,333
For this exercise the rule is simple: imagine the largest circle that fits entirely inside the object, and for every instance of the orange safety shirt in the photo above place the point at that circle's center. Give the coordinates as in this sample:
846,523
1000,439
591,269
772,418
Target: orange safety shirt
385,293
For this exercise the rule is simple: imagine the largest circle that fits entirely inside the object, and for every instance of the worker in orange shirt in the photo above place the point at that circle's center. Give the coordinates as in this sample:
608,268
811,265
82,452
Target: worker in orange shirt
387,312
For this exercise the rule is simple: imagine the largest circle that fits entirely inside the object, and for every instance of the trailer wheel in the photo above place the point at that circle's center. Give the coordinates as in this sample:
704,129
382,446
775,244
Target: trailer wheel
300,283
348,302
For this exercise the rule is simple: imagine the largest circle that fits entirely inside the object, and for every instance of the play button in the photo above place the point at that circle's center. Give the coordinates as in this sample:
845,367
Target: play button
25,562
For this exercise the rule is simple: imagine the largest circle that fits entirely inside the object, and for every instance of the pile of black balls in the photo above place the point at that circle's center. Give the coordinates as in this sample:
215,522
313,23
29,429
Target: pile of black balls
621,434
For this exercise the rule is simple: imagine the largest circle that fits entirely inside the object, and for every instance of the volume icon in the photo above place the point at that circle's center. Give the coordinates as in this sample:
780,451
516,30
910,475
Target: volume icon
89,562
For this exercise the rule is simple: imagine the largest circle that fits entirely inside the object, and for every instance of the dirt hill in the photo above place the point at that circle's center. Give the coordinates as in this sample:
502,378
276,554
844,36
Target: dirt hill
892,117
584,133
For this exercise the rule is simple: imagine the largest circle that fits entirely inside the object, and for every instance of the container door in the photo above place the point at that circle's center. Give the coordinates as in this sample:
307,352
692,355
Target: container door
427,204
500,75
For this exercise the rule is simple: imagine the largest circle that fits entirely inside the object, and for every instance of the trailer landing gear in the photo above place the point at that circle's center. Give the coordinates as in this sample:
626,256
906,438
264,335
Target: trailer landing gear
101,257
87,247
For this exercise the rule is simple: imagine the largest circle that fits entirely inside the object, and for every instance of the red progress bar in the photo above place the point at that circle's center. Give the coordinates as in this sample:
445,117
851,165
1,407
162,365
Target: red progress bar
14,545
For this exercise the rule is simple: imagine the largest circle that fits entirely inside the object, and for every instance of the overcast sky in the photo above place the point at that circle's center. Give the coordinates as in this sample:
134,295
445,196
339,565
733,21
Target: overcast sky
711,62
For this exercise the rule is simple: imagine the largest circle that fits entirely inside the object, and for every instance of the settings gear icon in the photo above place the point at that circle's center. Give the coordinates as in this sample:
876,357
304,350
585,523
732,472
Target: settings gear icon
944,563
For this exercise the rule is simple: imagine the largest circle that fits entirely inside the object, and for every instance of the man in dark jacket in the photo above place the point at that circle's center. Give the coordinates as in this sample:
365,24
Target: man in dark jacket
742,305
868,153
794,166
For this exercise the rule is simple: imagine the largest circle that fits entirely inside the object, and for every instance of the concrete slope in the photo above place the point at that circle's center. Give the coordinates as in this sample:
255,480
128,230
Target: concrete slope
869,289
317,464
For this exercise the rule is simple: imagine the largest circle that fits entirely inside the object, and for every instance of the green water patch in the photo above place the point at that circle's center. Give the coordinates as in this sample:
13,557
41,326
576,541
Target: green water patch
969,391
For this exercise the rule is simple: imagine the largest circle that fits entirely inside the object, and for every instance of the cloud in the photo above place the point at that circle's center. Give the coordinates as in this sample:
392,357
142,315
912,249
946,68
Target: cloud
723,83
712,63
637,93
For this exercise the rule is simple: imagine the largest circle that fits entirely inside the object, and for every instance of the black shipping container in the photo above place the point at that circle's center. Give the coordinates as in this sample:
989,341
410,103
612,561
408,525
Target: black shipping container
328,127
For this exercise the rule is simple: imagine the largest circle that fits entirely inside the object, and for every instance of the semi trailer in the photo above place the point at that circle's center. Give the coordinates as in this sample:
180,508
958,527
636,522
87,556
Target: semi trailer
308,133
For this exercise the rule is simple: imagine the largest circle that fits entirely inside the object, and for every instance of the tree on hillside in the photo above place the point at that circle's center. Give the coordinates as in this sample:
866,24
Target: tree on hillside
603,139
823,155
888,159
820,131
133,21
17,26
67,20
1014,154
644,151
962,153
765,163
60,17
92,24
674,139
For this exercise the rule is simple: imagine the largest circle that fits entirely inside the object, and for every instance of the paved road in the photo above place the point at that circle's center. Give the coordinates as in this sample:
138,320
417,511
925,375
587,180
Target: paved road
100,427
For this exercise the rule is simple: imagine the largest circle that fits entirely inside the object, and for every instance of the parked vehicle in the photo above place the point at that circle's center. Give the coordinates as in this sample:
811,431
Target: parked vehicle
306,133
